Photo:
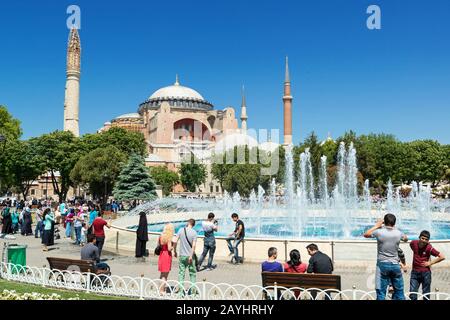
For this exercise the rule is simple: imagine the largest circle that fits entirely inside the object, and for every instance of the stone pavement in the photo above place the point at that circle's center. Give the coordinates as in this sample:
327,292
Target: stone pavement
361,275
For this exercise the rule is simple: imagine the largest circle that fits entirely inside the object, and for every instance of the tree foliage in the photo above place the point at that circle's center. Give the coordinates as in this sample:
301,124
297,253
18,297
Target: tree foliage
165,178
192,173
24,164
61,151
98,170
134,181
126,141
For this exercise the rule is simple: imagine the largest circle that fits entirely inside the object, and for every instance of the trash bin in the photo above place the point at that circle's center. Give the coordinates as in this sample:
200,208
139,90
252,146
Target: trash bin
17,255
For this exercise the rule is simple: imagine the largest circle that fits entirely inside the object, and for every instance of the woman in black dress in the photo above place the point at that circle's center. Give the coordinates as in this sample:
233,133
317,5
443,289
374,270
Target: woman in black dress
26,222
141,236
7,221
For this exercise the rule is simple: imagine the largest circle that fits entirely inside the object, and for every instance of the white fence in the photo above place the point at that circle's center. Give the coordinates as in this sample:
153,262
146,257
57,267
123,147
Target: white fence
145,288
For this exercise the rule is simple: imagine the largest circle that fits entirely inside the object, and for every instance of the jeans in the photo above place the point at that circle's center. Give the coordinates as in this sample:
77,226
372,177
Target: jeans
68,229
389,273
99,241
208,246
39,229
102,266
78,235
418,278
234,247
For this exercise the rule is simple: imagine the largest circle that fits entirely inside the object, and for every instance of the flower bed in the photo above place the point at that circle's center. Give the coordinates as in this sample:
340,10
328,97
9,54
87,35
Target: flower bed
13,295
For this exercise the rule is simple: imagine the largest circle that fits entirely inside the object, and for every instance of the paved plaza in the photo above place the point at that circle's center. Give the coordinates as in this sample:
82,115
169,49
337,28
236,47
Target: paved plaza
359,274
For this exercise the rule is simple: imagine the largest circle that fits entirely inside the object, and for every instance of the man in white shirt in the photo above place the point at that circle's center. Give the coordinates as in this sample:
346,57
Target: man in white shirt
209,242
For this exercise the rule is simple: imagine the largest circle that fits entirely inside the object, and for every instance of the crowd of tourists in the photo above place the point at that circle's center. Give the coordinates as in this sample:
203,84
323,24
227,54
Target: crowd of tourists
81,222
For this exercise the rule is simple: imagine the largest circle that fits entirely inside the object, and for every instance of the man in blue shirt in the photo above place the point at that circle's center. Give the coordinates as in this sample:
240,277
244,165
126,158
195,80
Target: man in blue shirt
271,265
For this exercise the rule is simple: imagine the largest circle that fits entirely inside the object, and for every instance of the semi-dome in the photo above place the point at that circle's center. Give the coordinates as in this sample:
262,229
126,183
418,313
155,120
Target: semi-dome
129,116
230,141
177,96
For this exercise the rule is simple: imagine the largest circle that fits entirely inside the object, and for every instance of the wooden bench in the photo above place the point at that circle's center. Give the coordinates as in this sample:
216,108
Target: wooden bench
301,280
81,266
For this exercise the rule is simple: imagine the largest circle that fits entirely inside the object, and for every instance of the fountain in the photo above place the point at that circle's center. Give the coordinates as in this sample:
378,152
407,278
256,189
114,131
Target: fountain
309,210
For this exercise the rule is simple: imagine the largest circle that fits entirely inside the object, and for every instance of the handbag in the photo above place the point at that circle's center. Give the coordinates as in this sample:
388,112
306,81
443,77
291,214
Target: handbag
158,248
194,256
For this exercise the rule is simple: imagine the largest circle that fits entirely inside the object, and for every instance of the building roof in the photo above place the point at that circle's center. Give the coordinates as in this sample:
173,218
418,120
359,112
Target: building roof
177,91
129,116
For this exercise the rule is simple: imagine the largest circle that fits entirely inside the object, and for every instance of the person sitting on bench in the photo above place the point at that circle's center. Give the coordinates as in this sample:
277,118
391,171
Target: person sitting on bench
90,252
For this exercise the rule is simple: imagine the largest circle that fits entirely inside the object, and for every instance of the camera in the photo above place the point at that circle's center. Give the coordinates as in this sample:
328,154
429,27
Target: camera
216,222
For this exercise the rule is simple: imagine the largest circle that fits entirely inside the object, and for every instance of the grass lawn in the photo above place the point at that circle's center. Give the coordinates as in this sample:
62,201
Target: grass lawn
24,288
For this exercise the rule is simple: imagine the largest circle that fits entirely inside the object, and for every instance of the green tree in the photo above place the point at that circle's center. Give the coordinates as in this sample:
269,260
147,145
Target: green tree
242,178
10,131
60,151
9,126
329,149
165,178
241,158
430,161
99,170
24,164
124,140
134,182
192,174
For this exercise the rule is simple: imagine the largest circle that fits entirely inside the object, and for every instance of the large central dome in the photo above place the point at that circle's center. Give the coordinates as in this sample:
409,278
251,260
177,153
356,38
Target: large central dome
177,96
176,91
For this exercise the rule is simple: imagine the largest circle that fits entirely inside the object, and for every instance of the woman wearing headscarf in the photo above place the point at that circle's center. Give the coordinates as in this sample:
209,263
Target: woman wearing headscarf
26,222
141,236
7,221
48,223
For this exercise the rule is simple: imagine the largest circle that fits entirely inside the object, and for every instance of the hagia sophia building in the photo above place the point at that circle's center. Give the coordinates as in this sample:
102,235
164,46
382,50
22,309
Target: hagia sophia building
176,121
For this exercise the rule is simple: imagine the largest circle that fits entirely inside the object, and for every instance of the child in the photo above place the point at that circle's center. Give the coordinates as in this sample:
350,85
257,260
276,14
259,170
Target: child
83,233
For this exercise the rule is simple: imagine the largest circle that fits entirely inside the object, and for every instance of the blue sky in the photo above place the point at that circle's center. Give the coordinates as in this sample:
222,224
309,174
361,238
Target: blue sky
344,76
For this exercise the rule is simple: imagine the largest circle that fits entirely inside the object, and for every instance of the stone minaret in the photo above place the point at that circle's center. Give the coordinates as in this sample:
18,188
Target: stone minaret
243,113
72,95
287,103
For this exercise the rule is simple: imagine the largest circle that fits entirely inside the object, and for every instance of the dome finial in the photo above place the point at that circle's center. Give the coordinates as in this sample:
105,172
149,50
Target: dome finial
177,80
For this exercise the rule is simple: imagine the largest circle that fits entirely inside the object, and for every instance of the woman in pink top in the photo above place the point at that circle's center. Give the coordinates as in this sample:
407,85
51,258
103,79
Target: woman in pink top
295,264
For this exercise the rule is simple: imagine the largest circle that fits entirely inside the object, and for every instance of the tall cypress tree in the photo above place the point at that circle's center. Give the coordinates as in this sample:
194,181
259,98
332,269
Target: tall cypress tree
134,182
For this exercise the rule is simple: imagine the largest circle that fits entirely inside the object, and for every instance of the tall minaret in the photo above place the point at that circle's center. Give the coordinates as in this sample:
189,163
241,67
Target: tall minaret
287,103
72,95
243,113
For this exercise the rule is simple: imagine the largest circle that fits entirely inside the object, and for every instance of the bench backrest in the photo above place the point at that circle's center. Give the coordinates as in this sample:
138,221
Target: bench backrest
301,280
78,265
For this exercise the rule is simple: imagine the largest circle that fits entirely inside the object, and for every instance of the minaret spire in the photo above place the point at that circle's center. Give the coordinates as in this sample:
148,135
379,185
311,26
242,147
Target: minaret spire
243,112
72,94
177,80
286,76
287,106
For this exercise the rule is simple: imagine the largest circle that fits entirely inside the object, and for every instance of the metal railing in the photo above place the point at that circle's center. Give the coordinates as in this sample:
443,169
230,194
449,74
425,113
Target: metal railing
145,288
